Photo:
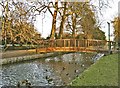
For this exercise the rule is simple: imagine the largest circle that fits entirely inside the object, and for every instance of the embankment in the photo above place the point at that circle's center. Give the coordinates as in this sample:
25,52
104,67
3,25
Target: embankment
103,73
10,57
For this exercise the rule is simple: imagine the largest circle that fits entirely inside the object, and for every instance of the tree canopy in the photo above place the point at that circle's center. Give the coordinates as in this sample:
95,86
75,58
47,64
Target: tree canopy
116,25
16,24
77,20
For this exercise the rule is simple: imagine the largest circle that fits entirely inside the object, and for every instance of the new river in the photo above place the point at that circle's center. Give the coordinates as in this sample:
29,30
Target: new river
56,71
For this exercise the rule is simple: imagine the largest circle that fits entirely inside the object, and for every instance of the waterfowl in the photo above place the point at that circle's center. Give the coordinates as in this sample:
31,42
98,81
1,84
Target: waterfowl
48,79
63,68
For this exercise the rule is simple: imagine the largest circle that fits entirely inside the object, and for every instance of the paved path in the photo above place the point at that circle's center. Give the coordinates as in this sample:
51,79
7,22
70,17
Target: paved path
16,53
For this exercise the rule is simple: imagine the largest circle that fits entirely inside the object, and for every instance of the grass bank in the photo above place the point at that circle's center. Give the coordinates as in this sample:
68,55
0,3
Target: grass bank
103,73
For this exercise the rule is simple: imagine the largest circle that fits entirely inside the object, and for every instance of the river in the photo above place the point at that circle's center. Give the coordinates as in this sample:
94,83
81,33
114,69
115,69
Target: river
52,71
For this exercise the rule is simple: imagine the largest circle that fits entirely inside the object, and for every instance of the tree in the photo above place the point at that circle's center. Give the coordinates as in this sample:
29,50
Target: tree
16,25
116,25
99,34
43,7
82,19
76,12
6,22
52,35
63,21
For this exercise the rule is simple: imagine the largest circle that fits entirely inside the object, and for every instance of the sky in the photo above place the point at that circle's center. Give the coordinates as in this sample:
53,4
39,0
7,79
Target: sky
44,26
108,16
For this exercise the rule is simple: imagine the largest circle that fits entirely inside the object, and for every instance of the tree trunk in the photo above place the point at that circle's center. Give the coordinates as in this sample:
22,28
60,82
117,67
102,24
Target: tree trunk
73,24
62,22
52,35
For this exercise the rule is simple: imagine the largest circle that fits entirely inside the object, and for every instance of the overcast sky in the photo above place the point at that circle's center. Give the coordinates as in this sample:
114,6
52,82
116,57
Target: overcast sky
109,15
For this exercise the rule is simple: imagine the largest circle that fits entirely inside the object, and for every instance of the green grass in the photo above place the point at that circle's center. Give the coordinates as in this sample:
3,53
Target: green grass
103,73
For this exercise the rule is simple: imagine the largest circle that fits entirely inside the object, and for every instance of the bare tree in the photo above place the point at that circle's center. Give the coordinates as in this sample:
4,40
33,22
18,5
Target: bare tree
16,25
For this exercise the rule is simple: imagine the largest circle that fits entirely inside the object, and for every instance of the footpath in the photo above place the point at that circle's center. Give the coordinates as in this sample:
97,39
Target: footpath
15,56
17,53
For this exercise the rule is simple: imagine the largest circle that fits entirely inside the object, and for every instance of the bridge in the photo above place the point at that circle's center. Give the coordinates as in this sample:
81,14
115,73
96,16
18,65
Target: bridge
73,45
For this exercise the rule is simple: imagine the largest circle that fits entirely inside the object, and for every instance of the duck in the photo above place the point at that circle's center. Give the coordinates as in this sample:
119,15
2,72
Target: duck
63,68
82,65
48,79
18,85
76,71
67,74
24,81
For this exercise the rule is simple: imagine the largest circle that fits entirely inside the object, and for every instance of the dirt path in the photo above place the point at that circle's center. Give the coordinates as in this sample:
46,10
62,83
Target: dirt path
16,53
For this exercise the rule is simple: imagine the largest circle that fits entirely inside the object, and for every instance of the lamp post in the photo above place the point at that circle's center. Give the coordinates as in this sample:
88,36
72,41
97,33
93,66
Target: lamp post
109,44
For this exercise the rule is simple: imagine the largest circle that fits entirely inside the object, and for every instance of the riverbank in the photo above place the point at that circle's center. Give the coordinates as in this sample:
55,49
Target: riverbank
103,73
15,56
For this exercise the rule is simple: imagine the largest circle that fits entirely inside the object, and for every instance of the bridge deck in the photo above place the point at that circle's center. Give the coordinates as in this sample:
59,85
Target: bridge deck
72,45
68,49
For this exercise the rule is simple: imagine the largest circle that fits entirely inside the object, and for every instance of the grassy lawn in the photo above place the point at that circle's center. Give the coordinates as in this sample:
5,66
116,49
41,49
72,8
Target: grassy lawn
103,73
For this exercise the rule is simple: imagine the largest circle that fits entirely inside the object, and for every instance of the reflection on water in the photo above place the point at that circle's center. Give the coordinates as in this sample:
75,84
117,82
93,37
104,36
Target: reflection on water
58,70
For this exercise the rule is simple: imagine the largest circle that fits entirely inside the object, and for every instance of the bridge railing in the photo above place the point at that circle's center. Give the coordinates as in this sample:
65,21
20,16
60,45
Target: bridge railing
87,43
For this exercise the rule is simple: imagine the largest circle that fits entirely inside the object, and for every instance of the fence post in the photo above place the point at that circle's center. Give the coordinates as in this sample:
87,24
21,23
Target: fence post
64,42
78,43
75,42
69,43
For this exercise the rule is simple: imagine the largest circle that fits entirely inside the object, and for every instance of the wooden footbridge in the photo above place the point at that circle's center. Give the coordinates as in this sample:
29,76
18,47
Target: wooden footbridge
72,45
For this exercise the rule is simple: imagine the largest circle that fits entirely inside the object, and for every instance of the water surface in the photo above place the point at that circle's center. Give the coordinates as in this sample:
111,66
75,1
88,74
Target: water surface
59,70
